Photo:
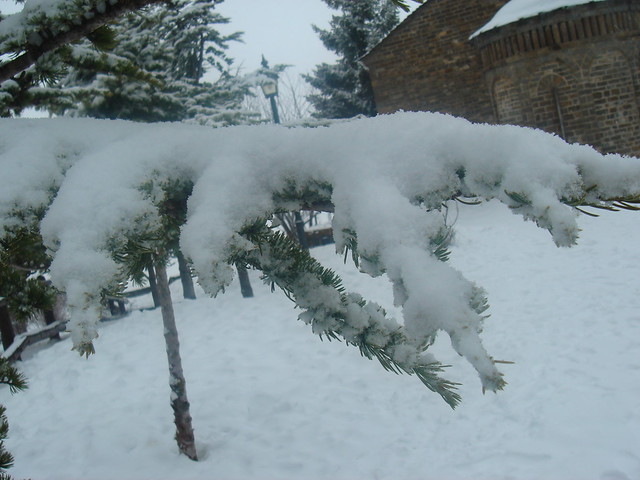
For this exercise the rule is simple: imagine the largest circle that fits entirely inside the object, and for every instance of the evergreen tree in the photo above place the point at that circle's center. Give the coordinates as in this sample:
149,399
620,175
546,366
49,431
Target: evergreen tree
37,33
344,88
22,260
169,48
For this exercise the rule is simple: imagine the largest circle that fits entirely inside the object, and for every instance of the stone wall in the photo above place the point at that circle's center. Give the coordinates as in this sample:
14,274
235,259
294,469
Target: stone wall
427,62
573,72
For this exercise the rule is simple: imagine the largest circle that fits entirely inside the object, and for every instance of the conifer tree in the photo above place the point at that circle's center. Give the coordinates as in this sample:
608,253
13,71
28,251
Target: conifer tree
39,33
169,48
343,88
22,259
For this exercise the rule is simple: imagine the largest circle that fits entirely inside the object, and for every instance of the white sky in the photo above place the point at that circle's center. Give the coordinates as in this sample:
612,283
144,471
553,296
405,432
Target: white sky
279,29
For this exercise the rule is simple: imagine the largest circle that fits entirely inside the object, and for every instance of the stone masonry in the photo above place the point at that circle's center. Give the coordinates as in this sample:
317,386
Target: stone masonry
427,62
574,71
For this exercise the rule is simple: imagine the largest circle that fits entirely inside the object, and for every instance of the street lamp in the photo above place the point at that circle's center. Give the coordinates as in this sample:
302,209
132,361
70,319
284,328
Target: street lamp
270,90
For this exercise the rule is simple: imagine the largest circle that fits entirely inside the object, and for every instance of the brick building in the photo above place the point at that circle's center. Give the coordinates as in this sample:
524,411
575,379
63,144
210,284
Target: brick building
573,71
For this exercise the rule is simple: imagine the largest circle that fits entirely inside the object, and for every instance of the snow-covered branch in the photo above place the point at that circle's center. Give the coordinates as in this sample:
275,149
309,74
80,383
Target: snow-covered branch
42,27
103,182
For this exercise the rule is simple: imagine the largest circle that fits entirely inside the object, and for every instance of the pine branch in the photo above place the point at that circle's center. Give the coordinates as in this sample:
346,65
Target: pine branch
76,27
336,314
590,198
9,375
404,5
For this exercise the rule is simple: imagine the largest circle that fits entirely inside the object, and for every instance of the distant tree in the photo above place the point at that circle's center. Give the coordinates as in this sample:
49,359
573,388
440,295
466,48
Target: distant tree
344,88
168,49
38,33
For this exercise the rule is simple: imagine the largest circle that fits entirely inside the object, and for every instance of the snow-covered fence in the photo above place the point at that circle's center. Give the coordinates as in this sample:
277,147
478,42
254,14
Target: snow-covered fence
318,237
14,344
22,341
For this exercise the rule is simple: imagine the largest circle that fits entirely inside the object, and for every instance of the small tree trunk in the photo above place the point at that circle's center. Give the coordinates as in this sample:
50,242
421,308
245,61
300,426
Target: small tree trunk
179,401
6,327
153,284
245,283
49,318
300,231
113,307
188,290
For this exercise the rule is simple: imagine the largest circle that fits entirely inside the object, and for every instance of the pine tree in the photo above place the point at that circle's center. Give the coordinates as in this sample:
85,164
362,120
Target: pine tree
22,292
344,88
37,33
169,48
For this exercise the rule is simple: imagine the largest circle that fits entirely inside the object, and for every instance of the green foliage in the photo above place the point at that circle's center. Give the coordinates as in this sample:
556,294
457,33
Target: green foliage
103,38
404,5
344,88
155,68
22,256
10,376
335,314
591,198
438,246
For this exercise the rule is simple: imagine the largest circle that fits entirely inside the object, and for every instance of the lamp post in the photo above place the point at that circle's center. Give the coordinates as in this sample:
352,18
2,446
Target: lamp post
270,91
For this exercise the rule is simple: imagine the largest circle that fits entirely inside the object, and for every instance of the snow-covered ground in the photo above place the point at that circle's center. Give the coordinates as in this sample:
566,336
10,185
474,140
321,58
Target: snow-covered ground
271,401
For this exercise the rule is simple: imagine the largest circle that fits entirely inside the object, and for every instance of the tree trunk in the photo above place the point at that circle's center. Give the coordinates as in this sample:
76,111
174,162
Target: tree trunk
245,283
6,327
153,284
300,231
179,401
50,318
188,290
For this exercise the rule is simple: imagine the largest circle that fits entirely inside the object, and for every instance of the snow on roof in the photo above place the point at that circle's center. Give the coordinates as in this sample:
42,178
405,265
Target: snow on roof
518,9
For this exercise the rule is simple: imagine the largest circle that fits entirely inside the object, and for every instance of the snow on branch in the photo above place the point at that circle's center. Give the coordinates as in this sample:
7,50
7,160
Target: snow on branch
103,183
46,25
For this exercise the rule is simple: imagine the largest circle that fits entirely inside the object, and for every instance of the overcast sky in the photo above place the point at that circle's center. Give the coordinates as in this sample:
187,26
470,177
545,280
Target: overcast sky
279,29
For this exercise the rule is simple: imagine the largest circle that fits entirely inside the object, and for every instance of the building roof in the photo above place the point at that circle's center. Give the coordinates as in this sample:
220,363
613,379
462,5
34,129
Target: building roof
518,9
